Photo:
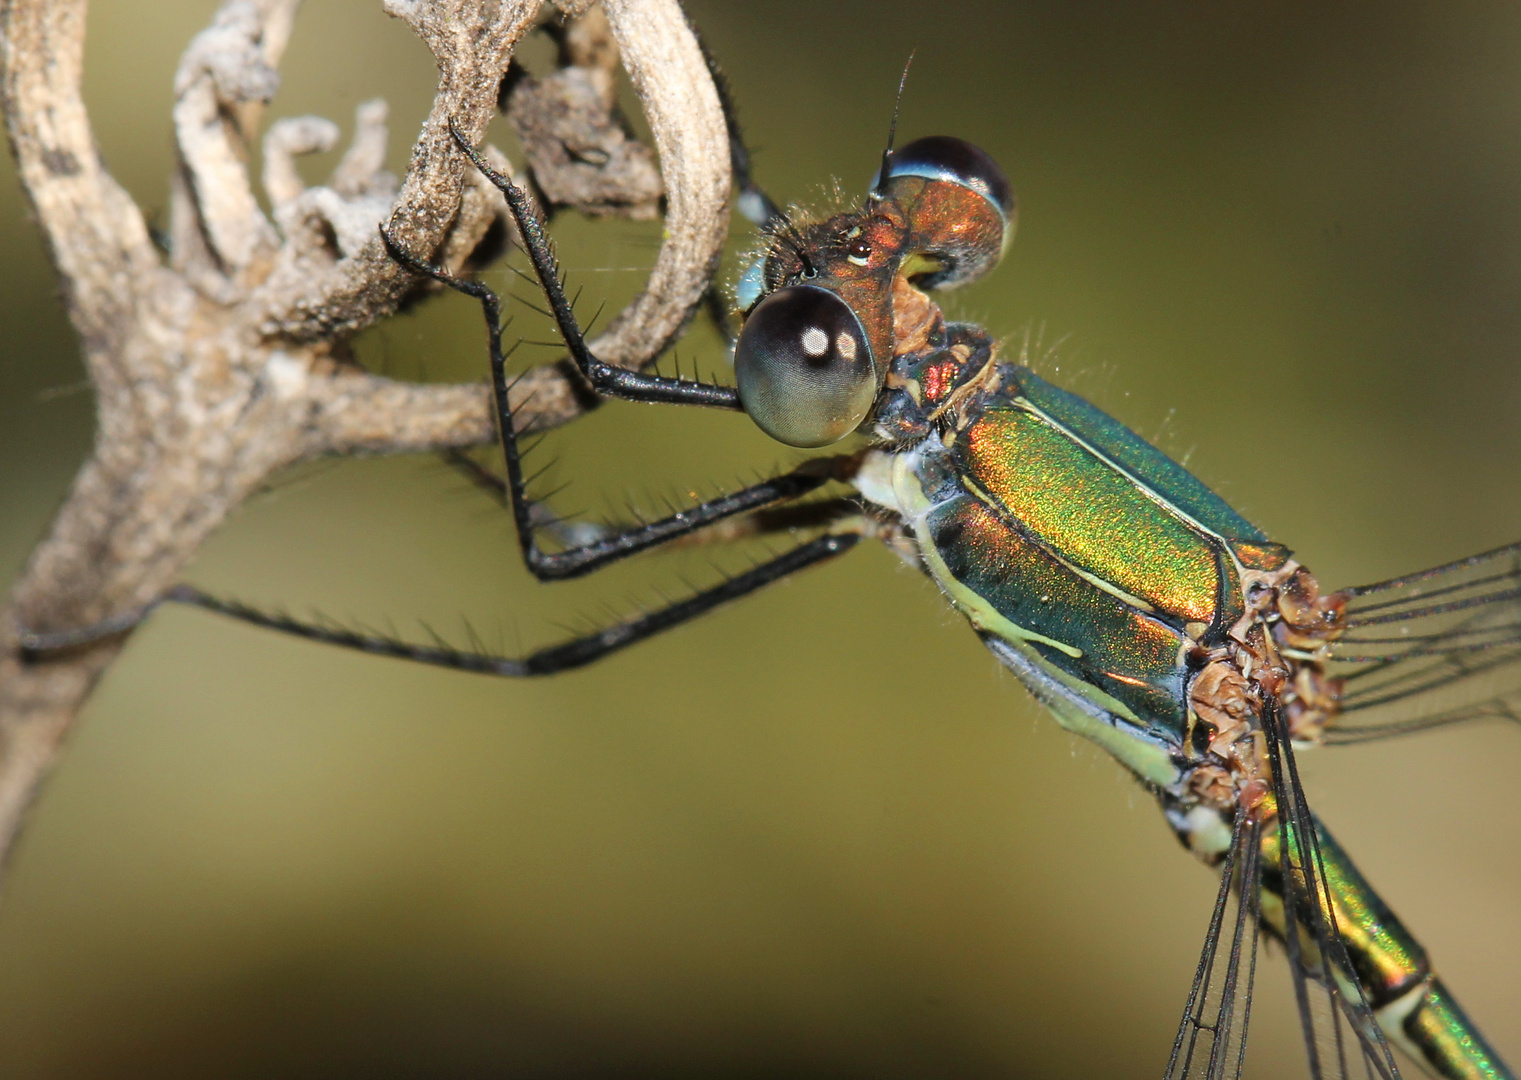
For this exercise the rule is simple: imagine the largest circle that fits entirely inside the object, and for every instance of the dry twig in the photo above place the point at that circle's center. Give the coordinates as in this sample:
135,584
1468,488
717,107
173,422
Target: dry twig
227,361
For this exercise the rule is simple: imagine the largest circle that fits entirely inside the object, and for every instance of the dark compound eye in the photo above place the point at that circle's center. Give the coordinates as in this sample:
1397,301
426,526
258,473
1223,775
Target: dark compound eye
944,157
804,369
961,220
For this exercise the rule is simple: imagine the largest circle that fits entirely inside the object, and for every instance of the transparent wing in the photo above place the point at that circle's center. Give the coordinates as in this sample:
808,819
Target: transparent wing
1341,1036
1283,864
1211,1040
1442,646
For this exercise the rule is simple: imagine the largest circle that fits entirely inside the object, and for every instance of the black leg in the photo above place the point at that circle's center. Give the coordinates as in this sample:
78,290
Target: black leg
716,306
607,379
768,520
575,561
754,203
619,542
476,473
569,654
841,516
750,507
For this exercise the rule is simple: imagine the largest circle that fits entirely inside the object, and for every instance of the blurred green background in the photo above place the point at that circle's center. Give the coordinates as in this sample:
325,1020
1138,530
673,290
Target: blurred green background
819,833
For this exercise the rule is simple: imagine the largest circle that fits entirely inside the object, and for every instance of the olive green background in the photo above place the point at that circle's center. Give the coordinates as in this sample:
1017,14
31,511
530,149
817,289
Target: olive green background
819,833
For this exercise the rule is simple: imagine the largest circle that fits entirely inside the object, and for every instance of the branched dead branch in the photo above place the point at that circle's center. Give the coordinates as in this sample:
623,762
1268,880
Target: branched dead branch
227,361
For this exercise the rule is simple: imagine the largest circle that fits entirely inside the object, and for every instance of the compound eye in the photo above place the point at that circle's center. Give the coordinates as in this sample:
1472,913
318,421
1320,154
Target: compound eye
804,368
944,157
961,215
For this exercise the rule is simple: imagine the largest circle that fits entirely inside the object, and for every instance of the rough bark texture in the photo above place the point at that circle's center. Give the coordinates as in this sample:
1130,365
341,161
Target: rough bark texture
224,362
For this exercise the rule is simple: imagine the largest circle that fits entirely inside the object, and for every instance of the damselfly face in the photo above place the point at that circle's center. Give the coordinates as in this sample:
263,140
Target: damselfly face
830,304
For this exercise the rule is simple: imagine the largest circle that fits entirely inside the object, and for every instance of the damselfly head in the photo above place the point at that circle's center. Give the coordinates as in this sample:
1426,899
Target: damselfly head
820,322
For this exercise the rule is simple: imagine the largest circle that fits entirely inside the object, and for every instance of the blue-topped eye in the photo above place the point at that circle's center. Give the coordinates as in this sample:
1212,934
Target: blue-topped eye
804,368
944,157
958,206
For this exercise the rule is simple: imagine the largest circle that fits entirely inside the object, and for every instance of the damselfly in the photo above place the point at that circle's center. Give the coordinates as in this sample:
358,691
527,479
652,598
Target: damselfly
943,399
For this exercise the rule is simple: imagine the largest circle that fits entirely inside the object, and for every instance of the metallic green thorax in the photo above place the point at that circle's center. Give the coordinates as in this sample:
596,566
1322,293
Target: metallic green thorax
1106,575
1066,537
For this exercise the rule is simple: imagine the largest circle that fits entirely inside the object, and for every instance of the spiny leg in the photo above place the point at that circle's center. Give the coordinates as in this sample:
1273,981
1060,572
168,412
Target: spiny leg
562,657
604,378
716,306
700,525
765,521
843,519
753,202
762,211
574,561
